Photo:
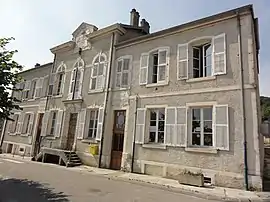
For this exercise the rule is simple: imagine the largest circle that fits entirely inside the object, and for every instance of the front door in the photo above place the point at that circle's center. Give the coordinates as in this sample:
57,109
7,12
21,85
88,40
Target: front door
38,137
71,131
118,139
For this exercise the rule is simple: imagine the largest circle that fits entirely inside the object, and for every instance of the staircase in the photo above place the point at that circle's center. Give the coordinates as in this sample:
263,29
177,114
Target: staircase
67,158
266,172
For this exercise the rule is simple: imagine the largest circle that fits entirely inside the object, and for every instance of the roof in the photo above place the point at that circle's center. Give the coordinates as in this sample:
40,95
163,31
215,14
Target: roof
41,66
222,15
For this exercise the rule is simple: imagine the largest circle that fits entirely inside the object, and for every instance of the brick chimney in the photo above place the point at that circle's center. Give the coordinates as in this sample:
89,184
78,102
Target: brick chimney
134,18
145,25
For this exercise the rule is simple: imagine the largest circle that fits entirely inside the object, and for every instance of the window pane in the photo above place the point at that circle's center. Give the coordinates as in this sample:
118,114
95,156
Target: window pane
101,59
161,125
126,64
153,115
196,73
208,60
207,50
207,126
90,132
196,114
196,139
118,80
196,126
94,69
196,53
208,140
100,68
125,79
207,113
94,133
93,84
155,59
161,114
119,66
92,115
161,137
162,72
162,57
196,64
153,123
152,137
91,123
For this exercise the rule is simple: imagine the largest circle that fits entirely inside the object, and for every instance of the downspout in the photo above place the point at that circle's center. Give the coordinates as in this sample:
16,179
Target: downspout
134,134
108,79
242,99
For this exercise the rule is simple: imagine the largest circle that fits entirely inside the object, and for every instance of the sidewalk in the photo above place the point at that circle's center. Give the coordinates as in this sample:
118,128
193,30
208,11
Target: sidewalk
211,193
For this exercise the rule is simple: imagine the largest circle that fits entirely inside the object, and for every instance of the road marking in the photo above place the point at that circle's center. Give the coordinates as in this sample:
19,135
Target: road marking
12,161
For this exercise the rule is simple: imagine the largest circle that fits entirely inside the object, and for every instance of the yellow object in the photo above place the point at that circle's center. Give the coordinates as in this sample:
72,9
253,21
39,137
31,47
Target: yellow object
94,149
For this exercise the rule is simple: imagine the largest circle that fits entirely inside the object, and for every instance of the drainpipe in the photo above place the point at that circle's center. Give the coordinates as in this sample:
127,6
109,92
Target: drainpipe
242,98
134,134
112,50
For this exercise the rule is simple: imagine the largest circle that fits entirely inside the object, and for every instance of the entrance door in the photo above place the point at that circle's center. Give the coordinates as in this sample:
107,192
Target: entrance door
118,139
71,131
38,137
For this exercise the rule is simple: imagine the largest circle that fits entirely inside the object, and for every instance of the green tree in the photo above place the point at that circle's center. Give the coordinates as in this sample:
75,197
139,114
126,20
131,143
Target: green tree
265,107
8,79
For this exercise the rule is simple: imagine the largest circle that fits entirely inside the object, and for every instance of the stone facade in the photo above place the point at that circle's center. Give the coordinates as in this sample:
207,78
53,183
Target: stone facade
102,71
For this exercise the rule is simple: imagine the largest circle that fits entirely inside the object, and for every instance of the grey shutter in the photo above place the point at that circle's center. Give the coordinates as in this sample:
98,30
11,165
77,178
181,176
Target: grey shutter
100,123
81,124
45,86
71,88
79,93
221,127
219,55
181,126
31,124
20,123
182,62
59,123
163,64
51,84
39,87
140,125
45,123
170,123
144,68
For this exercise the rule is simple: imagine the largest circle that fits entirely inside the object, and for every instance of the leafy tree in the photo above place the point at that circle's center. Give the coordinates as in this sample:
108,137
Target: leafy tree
8,79
265,107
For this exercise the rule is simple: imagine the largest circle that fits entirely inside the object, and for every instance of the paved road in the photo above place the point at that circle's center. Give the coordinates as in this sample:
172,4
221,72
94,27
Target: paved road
35,182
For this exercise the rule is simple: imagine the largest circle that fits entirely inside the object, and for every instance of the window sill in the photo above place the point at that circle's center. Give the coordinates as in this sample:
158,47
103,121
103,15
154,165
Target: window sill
89,141
120,89
156,84
24,135
50,137
57,96
154,146
95,91
201,150
209,78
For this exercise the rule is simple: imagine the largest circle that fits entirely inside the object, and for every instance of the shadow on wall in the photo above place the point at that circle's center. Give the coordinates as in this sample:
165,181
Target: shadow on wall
17,190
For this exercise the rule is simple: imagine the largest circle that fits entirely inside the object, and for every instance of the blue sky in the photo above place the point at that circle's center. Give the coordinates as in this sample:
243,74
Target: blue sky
38,25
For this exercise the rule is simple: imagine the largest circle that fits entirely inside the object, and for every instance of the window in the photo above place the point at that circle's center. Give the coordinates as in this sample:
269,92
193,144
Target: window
122,72
13,124
98,72
26,89
76,80
202,132
33,88
154,66
202,60
26,122
93,121
39,87
53,123
60,79
157,125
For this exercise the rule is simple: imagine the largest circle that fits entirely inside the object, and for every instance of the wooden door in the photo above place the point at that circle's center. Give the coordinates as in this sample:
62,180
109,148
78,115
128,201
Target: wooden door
38,137
118,139
71,131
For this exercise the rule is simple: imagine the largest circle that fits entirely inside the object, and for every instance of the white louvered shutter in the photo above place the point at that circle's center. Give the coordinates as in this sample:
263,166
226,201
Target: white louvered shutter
59,123
100,123
39,87
31,124
144,68
52,81
45,123
125,73
221,127
45,86
219,55
182,62
140,125
80,80
71,84
170,123
81,124
181,126
20,123
163,64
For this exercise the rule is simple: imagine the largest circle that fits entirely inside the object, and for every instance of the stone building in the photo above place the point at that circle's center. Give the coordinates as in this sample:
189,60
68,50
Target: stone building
183,98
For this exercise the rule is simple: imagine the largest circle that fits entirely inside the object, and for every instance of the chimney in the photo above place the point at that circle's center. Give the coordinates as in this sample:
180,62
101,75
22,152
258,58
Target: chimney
145,25
37,65
134,18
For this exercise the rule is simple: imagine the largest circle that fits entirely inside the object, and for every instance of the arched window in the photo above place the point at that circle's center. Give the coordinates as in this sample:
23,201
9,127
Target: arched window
98,72
60,79
76,80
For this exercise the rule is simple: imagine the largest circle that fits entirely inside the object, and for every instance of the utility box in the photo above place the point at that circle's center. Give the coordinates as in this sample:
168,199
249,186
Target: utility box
93,149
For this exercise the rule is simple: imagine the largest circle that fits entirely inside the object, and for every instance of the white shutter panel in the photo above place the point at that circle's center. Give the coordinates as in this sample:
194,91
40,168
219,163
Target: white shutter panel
140,125
163,64
44,86
182,62
170,123
31,124
51,84
221,127
219,55
39,87
144,68
45,123
100,123
20,123
80,84
71,87
181,126
59,123
80,134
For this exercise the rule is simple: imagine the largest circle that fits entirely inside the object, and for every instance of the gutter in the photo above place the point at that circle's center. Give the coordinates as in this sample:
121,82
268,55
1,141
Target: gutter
112,50
134,135
242,99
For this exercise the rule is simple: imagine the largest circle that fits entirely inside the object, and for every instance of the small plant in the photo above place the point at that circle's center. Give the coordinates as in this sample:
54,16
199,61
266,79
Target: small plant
188,172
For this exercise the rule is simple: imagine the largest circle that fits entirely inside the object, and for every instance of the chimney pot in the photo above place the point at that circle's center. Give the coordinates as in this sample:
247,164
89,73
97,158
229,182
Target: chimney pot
37,65
134,18
145,25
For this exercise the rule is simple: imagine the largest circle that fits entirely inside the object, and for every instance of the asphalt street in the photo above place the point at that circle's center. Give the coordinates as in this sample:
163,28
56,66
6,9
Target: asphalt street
24,181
